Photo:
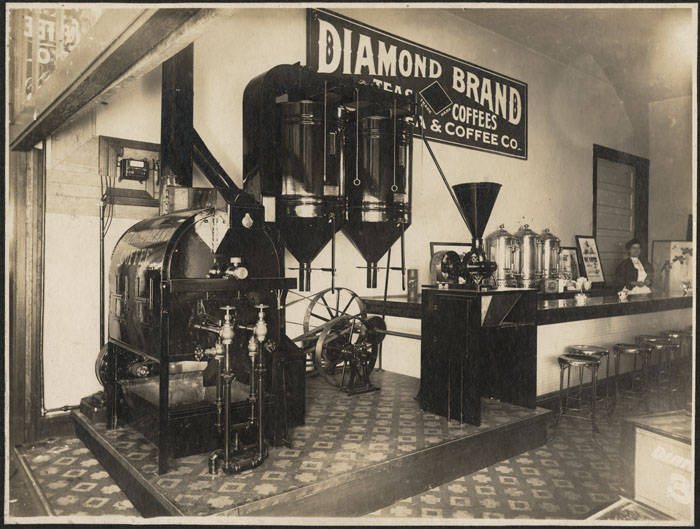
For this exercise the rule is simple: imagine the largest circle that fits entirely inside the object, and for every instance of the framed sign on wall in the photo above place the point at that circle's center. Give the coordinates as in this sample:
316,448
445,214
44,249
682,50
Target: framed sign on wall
461,103
589,257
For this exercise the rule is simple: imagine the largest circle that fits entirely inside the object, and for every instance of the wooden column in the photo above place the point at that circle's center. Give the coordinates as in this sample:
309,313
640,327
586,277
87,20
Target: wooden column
26,293
176,119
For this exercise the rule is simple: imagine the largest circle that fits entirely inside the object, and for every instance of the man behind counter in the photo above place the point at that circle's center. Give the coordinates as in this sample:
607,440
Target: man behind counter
634,273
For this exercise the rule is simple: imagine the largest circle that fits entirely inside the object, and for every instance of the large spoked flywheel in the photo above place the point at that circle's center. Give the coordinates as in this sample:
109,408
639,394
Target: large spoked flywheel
330,304
341,342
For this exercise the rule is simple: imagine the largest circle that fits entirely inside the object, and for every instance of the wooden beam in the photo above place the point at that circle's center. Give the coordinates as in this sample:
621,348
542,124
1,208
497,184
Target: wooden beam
176,118
119,39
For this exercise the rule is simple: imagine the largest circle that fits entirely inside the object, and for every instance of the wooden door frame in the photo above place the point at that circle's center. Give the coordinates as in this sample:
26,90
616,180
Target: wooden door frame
27,202
641,190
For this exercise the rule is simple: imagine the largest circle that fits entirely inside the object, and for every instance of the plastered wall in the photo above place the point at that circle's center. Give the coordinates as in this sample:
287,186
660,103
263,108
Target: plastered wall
670,171
71,311
569,109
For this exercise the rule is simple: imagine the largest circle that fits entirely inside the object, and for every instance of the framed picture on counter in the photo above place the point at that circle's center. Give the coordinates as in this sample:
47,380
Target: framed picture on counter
589,257
568,262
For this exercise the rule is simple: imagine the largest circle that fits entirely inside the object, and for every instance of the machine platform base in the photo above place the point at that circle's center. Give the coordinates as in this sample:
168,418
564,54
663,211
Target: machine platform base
354,455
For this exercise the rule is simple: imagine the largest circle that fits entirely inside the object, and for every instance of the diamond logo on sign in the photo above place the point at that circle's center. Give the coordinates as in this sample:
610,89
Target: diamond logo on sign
435,97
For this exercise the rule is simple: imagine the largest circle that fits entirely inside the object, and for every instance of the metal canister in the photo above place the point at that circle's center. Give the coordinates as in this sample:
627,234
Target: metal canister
549,254
310,155
528,257
500,248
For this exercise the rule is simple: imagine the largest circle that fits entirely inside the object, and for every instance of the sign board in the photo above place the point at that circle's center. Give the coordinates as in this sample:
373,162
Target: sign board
663,474
461,103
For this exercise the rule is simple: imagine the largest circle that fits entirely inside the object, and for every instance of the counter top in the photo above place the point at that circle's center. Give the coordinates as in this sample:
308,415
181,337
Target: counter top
398,306
551,310
674,424
563,310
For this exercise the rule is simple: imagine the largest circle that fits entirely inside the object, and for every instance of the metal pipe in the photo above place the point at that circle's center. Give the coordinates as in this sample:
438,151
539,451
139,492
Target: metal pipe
325,130
227,406
333,254
447,185
252,349
371,275
399,333
102,271
205,327
403,257
386,290
386,282
261,394
304,277
219,396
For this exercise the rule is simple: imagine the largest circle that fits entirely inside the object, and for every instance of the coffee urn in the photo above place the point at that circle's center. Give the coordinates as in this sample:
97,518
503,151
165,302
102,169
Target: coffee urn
550,254
500,248
527,263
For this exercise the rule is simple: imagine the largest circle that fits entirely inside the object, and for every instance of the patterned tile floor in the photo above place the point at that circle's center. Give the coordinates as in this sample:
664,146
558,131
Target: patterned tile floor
571,477
342,434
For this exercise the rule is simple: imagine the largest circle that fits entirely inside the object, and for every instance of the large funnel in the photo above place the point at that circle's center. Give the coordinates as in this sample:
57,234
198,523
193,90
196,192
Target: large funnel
378,168
476,201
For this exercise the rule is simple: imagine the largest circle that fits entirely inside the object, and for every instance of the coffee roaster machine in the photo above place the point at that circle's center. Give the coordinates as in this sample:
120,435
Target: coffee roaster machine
198,358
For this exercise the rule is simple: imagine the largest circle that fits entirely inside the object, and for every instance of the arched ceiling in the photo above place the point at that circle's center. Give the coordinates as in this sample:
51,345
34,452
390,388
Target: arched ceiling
647,53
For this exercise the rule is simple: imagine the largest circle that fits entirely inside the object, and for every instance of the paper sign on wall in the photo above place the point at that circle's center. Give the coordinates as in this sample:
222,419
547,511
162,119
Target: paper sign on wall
462,104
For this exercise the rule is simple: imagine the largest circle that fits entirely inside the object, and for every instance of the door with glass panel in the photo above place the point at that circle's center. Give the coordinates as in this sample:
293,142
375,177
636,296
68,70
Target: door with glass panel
620,205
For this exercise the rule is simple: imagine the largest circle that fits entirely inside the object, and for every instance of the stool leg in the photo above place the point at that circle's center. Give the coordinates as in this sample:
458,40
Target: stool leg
561,394
608,400
617,374
645,378
594,396
580,387
568,385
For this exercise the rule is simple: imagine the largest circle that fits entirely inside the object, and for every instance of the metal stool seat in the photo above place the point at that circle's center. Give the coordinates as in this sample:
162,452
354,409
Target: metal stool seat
580,361
636,351
673,334
600,353
588,350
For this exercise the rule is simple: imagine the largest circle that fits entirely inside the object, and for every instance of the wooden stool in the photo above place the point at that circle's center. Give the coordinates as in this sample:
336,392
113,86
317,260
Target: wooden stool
566,362
600,353
636,350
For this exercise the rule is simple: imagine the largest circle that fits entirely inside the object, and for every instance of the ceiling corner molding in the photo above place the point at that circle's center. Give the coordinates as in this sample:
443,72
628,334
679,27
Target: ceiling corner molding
106,53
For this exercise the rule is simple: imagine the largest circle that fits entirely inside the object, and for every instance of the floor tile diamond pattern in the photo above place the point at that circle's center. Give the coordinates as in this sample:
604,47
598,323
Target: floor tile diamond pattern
572,476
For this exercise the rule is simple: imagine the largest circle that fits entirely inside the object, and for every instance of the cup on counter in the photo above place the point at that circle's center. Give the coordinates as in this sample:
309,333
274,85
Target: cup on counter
580,298
622,296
